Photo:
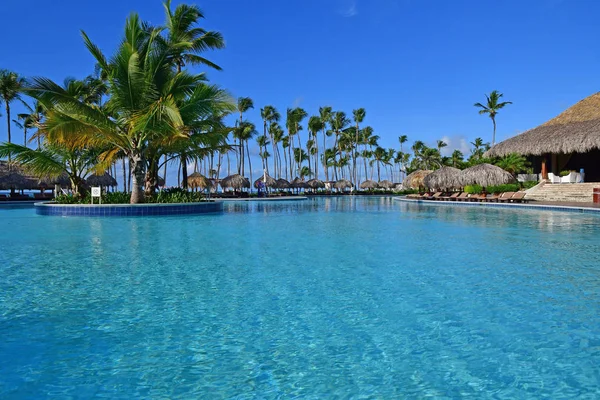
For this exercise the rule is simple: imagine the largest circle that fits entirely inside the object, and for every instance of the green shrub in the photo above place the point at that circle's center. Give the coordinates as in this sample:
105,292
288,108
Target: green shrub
116,198
529,185
564,173
176,195
511,187
473,189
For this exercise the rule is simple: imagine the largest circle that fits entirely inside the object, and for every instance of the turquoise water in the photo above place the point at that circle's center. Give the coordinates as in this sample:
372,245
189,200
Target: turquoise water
337,298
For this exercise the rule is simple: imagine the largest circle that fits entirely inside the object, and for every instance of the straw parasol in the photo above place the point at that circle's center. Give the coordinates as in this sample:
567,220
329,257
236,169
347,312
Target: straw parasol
315,184
415,179
197,180
575,130
298,183
485,175
342,184
101,180
444,178
369,184
385,184
15,180
282,184
235,182
269,183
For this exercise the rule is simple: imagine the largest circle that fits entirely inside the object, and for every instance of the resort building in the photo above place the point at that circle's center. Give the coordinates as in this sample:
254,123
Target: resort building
568,142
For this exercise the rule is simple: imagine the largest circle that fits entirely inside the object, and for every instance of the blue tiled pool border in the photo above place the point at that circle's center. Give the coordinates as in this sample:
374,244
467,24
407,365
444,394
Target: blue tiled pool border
503,205
127,210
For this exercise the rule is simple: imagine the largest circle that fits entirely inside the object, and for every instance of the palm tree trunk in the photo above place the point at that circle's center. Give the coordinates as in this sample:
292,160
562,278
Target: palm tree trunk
249,162
137,167
325,158
494,135
8,122
124,175
184,173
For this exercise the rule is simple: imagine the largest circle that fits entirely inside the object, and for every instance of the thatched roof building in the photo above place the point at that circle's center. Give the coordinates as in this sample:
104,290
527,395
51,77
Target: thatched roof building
385,184
342,184
415,180
315,184
282,184
15,180
101,180
298,183
271,182
235,182
576,130
197,180
369,184
485,175
445,178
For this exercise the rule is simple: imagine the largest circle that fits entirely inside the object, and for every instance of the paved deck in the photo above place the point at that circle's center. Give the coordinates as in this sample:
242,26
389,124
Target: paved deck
539,205
284,198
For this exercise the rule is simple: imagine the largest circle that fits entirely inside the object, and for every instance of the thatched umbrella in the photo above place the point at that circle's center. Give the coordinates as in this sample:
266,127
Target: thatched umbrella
15,180
282,184
197,180
385,184
235,182
444,178
368,184
62,180
298,183
415,179
342,184
485,175
576,130
269,183
101,180
315,184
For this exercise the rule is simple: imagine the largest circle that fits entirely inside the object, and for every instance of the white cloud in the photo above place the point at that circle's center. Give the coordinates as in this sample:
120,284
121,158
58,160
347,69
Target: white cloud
348,9
456,142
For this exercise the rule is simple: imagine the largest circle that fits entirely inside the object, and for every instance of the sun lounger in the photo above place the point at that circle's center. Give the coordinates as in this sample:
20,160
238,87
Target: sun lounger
464,196
492,198
519,197
477,197
435,196
504,197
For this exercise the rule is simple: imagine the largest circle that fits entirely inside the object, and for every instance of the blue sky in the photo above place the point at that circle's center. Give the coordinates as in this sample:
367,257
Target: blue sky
416,66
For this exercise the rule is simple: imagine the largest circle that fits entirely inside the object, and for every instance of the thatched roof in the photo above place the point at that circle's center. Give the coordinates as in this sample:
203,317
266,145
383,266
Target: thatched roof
368,184
269,183
485,175
342,184
235,181
282,184
444,178
101,180
298,183
315,184
197,180
415,180
385,184
15,180
576,130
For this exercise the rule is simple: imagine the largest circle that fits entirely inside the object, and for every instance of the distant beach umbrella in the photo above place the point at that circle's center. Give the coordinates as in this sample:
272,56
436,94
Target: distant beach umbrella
101,180
485,175
298,183
18,181
445,178
197,180
385,184
270,182
342,184
315,184
369,184
235,182
415,180
282,184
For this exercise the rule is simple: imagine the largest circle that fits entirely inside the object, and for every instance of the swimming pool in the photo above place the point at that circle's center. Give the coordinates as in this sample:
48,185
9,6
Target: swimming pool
323,298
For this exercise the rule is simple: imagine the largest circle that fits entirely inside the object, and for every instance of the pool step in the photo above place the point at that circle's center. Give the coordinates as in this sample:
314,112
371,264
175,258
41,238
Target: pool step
568,192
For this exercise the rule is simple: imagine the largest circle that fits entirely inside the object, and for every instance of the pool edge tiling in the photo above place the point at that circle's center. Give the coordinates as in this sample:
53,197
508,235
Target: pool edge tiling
127,210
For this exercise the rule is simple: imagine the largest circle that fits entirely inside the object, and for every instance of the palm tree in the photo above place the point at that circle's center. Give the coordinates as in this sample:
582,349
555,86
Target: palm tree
246,131
325,117
440,145
513,163
315,124
243,104
11,86
269,114
358,116
491,108
148,101
456,158
263,142
277,133
339,122
402,139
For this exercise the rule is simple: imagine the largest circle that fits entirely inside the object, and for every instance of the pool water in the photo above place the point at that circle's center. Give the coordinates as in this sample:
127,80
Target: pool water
325,298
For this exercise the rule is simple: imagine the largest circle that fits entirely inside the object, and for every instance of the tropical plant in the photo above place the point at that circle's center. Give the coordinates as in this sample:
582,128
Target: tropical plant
11,86
513,163
359,116
491,108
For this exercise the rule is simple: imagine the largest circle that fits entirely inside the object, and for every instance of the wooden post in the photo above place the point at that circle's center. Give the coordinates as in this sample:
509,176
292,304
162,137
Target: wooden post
544,168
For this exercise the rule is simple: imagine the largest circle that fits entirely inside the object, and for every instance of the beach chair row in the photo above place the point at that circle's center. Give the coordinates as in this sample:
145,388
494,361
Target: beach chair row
506,197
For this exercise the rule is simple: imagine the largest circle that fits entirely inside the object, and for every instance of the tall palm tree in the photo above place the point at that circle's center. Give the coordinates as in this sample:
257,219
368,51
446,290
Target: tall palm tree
277,133
440,145
402,139
325,116
246,131
314,126
358,115
269,114
243,104
338,123
11,86
456,158
492,107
